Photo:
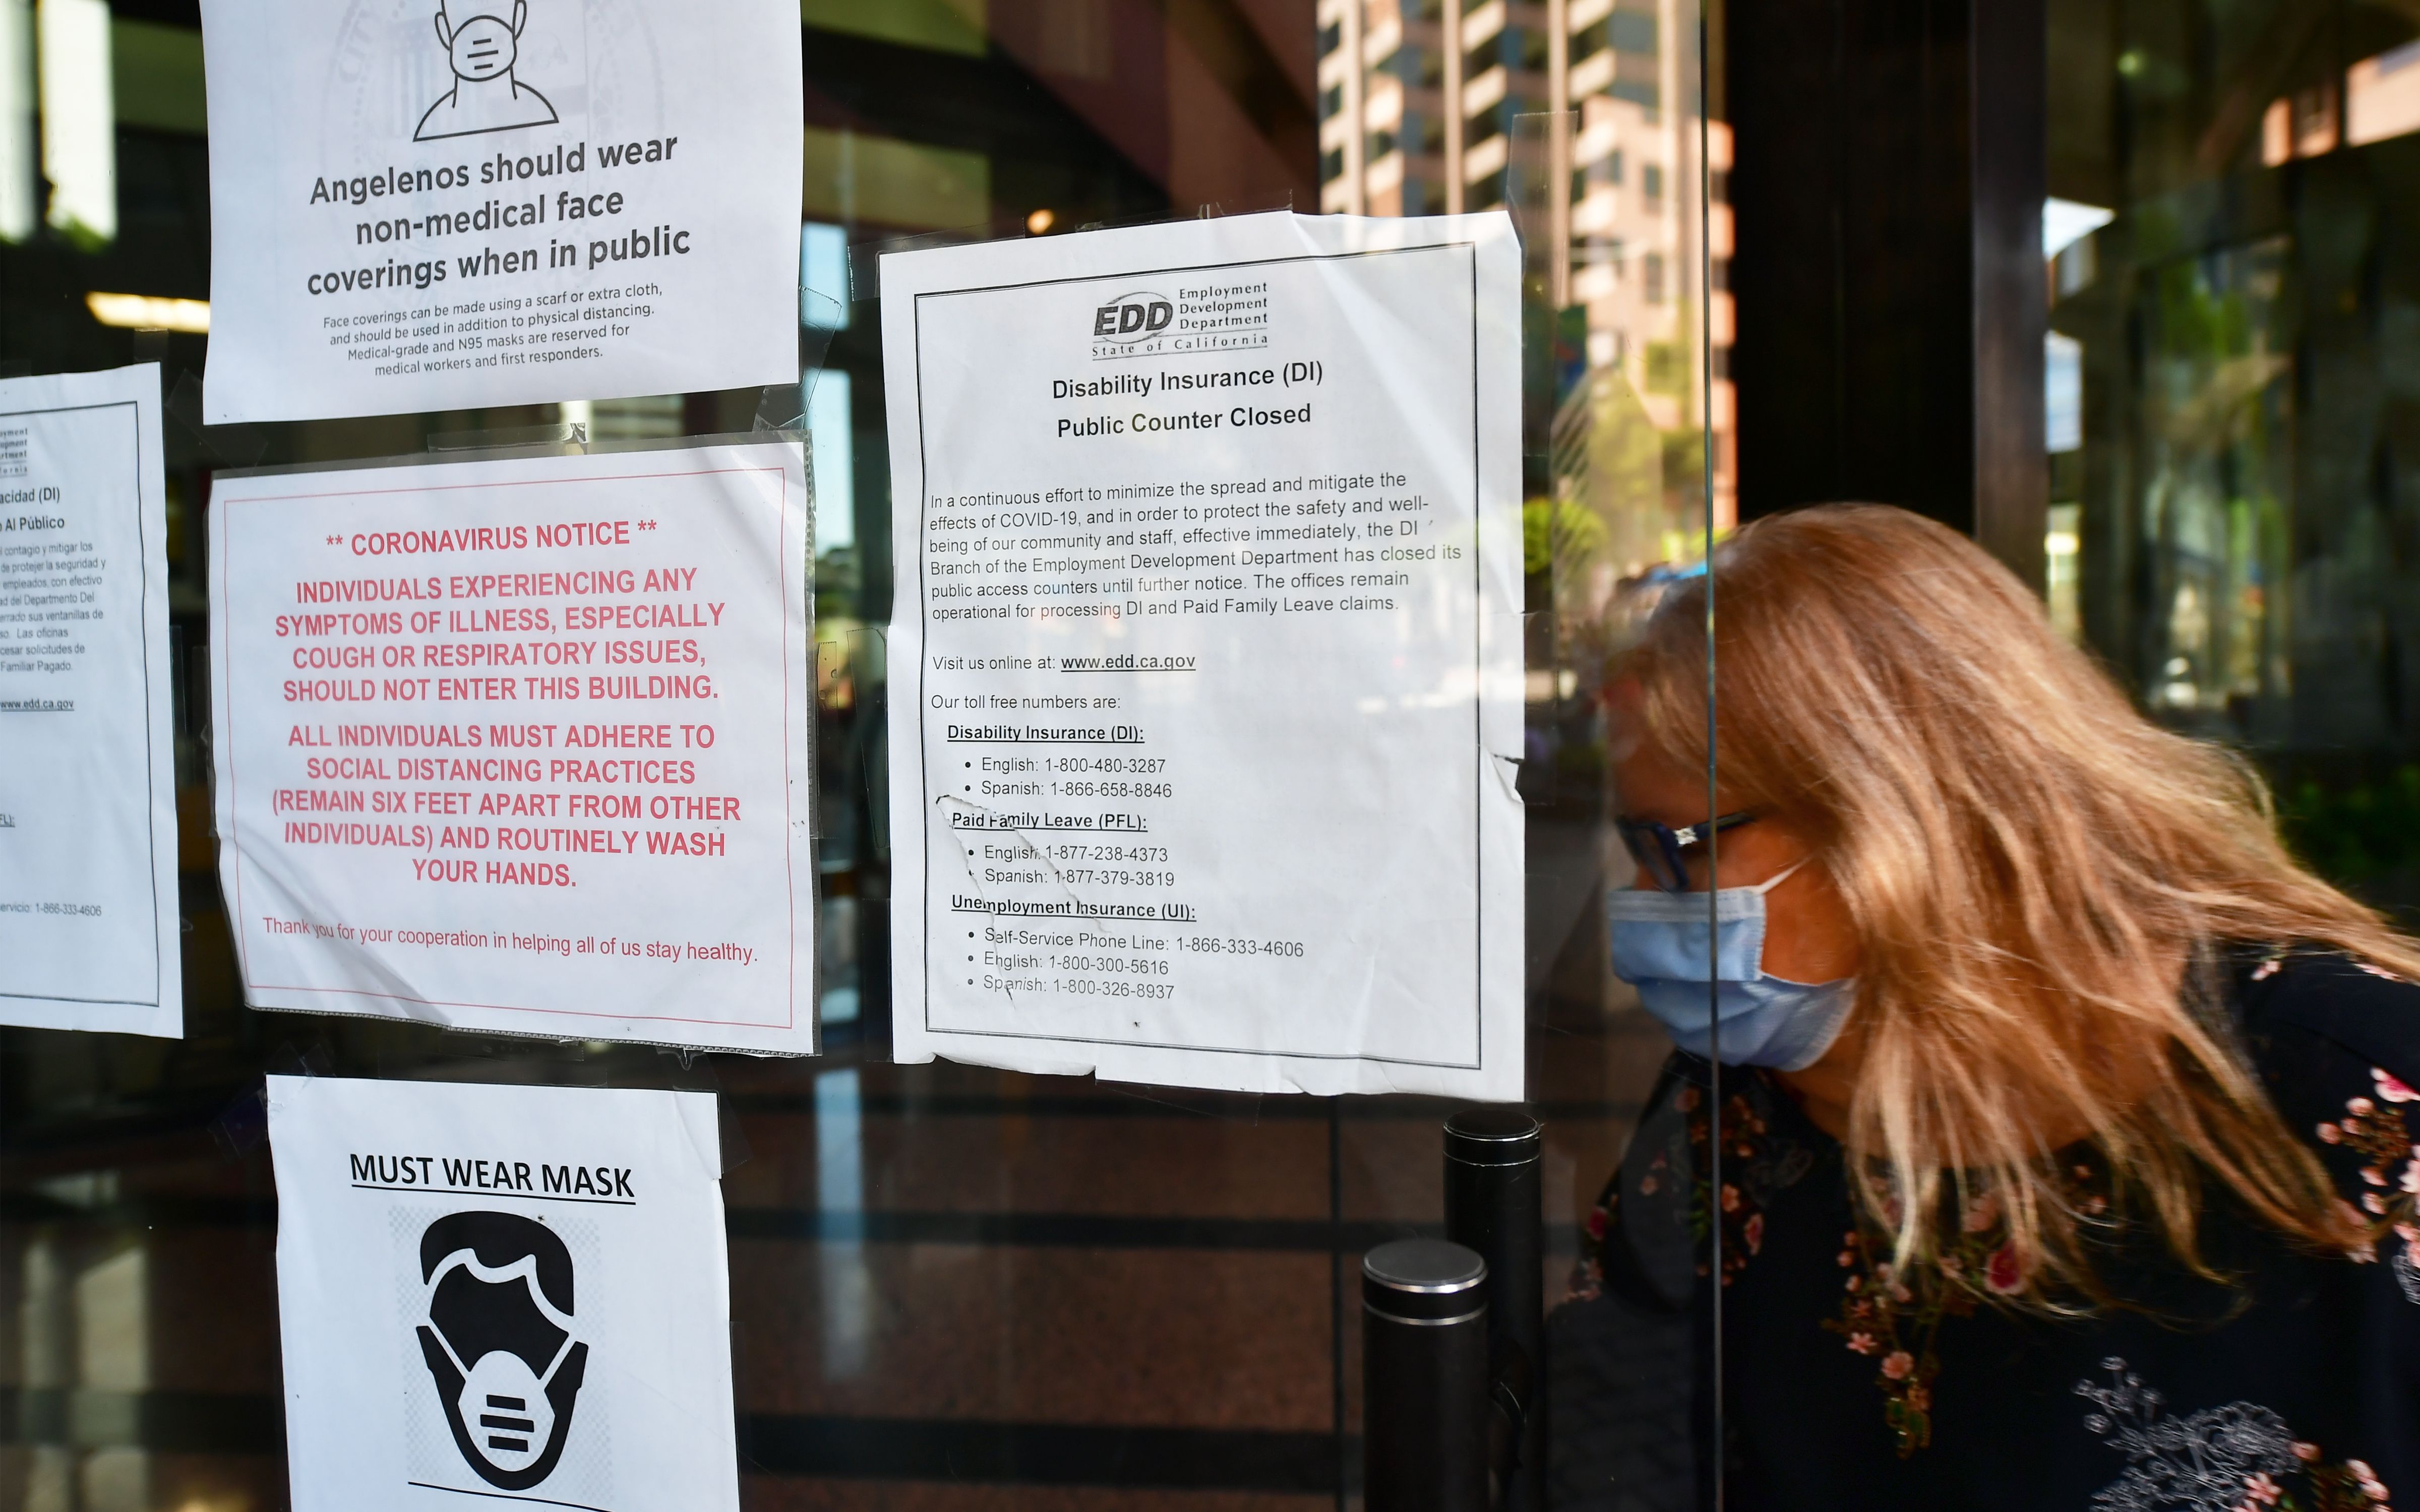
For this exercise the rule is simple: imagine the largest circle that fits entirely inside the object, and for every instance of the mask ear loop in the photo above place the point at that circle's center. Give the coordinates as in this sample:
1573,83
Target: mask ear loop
1640,898
563,1352
447,1345
1760,889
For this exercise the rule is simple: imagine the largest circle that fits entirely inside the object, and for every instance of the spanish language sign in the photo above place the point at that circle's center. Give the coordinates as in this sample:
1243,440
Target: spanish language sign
448,204
502,1295
522,745
1205,658
88,921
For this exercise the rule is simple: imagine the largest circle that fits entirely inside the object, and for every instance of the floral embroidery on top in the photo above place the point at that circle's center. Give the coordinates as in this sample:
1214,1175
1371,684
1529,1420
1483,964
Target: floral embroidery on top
1587,1281
1742,1210
2239,1457
1665,1176
1883,1317
2377,1131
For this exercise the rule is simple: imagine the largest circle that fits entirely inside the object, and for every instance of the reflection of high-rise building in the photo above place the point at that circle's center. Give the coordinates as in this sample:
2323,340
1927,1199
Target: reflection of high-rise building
1420,104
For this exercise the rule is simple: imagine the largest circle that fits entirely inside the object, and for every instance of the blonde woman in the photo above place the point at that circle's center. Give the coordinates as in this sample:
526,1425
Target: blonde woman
2069,1144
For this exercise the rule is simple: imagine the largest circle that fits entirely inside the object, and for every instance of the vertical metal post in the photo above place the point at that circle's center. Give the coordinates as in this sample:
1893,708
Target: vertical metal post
1424,1378
1344,1486
1493,1204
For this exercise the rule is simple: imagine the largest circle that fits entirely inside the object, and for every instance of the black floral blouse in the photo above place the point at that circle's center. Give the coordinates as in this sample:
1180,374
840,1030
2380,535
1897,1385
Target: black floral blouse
2295,1388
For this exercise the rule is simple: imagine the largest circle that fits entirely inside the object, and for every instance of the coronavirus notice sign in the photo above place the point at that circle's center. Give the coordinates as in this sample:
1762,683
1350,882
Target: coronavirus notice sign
522,745
448,204
501,1297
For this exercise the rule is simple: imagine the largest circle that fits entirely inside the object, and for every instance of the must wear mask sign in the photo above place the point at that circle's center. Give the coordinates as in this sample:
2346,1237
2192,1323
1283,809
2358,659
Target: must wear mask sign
514,1293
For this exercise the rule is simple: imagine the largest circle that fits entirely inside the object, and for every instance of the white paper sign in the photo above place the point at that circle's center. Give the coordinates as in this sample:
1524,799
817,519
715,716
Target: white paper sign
448,204
522,745
1205,659
512,1295
88,921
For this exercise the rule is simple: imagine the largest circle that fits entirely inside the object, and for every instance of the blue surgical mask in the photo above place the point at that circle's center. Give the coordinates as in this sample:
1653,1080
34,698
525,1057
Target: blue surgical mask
1661,945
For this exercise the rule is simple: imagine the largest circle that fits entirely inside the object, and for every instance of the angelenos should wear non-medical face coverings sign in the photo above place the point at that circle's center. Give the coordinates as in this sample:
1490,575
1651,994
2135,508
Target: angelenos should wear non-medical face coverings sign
447,204
89,932
523,744
1206,655
502,1292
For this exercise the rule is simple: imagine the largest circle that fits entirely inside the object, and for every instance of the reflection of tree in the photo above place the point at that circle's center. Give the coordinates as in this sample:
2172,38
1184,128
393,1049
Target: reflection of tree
1557,534
837,628
2356,833
1627,498
2216,408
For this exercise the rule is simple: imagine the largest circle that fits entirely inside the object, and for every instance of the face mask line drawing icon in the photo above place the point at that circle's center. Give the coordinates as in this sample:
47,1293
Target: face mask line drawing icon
498,1342
482,50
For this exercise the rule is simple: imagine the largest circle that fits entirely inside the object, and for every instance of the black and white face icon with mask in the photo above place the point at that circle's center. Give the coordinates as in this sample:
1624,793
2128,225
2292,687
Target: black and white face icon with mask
482,41
498,1340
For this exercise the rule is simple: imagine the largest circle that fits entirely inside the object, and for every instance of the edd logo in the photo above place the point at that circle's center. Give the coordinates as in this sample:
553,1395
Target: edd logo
1132,317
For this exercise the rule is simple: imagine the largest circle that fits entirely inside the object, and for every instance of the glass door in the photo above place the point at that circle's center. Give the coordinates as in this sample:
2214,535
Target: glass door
954,1286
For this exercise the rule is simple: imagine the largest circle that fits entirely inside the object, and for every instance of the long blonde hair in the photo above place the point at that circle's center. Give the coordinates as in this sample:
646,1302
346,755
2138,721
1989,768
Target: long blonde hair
2042,881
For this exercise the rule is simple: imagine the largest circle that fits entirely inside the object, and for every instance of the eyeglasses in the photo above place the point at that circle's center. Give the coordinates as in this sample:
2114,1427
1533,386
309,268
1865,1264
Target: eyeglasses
1657,848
